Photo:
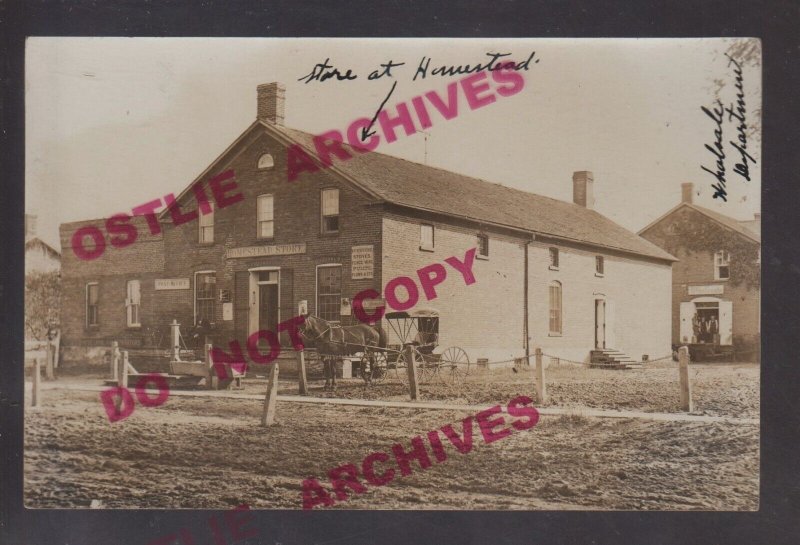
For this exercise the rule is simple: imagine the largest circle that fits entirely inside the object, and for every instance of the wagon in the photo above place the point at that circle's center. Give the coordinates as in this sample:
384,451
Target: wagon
419,331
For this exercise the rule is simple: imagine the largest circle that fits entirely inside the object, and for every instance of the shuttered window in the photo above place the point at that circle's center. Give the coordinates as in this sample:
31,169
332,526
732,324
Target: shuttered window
133,303
329,292
330,210
206,222
266,223
92,304
555,308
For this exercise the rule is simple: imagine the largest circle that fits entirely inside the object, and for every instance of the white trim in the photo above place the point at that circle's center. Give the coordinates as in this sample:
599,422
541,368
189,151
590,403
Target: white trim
194,294
316,283
253,311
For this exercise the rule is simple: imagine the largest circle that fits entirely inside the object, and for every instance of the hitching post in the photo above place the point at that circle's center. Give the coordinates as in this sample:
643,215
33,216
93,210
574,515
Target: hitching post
541,386
114,358
686,386
35,393
49,362
122,377
411,368
301,372
175,330
271,399
212,380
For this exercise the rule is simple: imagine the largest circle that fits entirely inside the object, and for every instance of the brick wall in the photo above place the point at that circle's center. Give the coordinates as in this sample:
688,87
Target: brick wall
697,268
143,260
637,295
296,220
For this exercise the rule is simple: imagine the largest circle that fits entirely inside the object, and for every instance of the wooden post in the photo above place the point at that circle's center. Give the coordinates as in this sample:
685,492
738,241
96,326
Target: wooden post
122,378
212,381
301,372
413,385
175,336
687,403
49,362
541,385
115,355
37,369
271,399
56,349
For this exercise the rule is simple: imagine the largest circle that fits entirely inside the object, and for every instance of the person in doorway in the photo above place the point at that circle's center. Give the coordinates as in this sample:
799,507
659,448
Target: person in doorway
713,329
695,328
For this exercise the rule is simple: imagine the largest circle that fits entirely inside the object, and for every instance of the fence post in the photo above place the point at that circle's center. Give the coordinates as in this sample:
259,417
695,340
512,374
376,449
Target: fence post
122,378
301,372
212,382
36,394
687,403
114,360
411,368
175,338
271,399
541,385
49,361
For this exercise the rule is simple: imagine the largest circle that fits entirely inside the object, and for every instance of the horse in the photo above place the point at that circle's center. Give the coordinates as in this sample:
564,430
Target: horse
338,340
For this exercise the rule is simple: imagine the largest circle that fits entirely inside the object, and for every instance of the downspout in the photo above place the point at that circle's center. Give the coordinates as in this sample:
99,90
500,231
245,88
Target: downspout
525,327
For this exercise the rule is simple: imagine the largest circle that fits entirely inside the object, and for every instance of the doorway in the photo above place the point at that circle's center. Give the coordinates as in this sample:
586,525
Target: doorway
264,300
599,323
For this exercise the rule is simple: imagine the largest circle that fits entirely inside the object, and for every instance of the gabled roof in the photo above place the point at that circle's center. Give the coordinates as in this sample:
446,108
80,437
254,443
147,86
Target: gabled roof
725,221
390,179
36,241
423,187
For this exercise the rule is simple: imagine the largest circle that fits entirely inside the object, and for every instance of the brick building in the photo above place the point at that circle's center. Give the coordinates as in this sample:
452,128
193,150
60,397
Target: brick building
716,285
39,255
548,273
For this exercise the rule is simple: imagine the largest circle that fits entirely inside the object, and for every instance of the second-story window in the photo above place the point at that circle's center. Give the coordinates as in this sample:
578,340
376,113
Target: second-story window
132,303
426,236
266,222
330,210
206,223
722,265
483,246
599,265
554,258
92,304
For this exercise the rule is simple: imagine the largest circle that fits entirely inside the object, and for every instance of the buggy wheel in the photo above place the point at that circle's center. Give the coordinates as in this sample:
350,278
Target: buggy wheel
401,369
373,367
455,365
427,368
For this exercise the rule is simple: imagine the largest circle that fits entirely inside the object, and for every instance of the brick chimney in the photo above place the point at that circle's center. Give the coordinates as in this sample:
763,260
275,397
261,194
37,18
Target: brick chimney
687,192
583,188
271,102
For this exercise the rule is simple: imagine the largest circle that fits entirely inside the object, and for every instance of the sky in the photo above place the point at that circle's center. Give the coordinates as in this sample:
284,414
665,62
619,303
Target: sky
114,122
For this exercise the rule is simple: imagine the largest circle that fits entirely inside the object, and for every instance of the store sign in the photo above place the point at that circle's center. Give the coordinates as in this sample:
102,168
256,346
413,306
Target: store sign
172,283
361,262
266,251
710,289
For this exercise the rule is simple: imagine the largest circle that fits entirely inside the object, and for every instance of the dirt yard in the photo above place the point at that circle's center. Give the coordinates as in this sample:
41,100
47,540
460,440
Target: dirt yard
211,452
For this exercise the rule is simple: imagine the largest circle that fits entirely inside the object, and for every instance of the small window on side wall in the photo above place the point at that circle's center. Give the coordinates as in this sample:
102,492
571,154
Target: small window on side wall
426,235
266,219
554,258
599,265
329,205
92,304
206,223
483,246
132,303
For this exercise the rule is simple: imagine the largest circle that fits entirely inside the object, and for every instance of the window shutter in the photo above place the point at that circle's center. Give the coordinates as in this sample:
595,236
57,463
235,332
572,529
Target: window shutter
241,306
725,322
288,304
687,313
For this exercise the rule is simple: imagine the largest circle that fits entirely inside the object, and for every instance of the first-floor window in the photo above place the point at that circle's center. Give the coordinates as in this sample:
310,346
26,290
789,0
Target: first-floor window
555,308
329,292
133,303
205,284
92,303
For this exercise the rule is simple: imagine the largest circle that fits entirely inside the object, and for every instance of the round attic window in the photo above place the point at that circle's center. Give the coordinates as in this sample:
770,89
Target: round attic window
266,161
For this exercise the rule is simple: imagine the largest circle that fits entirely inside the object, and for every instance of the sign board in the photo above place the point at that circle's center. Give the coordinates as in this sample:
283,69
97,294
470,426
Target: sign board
345,309
361,262
172,283
266,251
370,305
710,289
224,296
227,311
302,308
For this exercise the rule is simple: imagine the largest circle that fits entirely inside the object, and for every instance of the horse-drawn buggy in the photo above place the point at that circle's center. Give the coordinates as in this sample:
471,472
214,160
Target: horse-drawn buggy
379,355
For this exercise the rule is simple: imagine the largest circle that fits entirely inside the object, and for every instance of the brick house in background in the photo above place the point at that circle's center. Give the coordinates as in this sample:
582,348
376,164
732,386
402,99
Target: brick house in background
716,285
548,273
39,255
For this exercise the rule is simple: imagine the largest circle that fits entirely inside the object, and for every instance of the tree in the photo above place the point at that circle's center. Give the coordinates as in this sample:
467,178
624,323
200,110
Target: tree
42,303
